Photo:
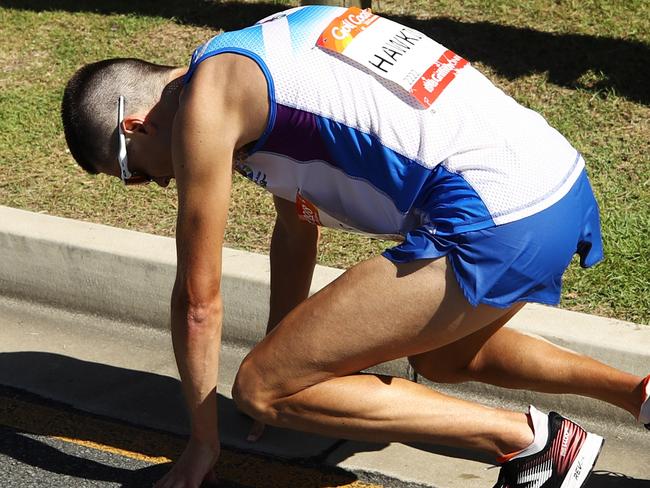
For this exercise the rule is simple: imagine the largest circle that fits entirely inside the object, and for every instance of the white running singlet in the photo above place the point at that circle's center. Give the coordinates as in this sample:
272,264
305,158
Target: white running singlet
355,150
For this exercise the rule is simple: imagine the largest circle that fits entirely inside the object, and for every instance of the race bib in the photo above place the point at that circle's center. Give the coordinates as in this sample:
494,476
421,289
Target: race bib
394,52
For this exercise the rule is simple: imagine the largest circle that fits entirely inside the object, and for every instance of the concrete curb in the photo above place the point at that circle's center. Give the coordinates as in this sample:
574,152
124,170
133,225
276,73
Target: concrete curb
101,270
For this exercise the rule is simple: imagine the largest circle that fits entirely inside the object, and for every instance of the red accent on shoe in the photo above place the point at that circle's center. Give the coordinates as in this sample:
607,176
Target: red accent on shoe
567,444
507,457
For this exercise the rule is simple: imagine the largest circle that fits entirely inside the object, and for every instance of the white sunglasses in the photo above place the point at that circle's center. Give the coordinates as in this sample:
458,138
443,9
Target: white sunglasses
127,177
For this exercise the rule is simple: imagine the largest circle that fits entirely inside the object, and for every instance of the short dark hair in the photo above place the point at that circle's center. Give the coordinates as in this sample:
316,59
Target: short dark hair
89,105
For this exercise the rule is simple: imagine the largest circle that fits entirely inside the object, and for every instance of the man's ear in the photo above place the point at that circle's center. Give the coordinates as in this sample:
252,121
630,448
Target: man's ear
136,123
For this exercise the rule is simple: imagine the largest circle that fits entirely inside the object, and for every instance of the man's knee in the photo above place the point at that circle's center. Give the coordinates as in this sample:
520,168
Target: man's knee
251,393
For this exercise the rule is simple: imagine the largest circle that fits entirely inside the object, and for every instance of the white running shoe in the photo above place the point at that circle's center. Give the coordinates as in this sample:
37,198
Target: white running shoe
565,462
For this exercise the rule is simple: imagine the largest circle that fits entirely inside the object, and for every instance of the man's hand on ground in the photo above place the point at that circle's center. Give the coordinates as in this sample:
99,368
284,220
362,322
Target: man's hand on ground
256,431
194,467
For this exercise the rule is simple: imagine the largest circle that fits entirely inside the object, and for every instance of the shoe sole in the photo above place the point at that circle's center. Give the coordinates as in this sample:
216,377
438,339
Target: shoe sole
585,461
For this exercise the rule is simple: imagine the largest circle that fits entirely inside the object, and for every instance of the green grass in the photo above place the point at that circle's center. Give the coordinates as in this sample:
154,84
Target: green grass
582,64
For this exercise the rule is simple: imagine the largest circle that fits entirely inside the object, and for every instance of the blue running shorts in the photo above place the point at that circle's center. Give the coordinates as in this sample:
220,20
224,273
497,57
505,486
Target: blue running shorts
522,261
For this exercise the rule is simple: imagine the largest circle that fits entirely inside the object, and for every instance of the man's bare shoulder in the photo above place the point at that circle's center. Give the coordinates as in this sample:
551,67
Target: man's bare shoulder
231,86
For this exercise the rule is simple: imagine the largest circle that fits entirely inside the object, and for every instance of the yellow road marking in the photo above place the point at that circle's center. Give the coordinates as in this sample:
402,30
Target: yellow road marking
115,450
250,471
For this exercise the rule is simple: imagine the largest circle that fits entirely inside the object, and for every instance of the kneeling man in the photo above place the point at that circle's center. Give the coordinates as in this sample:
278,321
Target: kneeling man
355,122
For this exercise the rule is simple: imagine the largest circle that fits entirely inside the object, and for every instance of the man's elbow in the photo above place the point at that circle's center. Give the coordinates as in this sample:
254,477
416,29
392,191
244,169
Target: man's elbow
197,311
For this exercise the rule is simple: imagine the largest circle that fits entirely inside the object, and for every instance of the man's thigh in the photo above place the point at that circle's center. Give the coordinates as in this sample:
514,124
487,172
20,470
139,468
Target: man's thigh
375,312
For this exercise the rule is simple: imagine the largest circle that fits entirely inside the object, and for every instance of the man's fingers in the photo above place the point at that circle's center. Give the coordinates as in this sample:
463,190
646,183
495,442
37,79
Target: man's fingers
211,478
256,432
163,482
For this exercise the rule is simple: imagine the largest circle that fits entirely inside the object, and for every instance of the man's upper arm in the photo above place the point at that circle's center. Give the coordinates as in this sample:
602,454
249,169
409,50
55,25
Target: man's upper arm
213,120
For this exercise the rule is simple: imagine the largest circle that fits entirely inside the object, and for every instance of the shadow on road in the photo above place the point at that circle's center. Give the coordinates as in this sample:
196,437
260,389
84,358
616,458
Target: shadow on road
607,479
149,399
32,452
611,64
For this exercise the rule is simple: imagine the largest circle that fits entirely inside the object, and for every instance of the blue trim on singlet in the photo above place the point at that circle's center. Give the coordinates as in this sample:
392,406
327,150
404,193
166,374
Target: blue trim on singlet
267,74
362,155
436,192
301,23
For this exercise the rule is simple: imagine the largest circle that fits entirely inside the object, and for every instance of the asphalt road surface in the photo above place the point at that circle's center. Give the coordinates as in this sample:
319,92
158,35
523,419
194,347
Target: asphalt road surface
46,444
128,372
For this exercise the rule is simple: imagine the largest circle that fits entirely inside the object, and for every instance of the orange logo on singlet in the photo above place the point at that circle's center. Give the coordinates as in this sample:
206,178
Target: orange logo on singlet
307,211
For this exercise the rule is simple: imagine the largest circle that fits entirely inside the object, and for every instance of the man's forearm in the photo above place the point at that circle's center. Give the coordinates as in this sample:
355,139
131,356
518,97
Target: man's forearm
196,336
293,259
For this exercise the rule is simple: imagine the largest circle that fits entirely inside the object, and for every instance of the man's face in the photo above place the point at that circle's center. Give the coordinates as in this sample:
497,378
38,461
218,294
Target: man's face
153,162
146,163
147,156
